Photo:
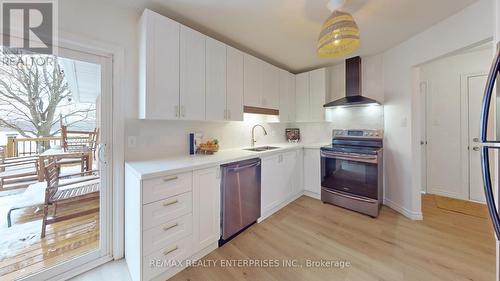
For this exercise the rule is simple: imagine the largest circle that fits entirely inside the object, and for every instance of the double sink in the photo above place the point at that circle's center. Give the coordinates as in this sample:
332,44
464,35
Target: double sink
261,148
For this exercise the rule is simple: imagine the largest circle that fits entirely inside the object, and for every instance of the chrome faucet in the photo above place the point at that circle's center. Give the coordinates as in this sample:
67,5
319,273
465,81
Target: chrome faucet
253,133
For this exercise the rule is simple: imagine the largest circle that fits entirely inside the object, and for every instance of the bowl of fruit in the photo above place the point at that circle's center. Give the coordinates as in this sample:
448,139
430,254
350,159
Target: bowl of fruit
208,147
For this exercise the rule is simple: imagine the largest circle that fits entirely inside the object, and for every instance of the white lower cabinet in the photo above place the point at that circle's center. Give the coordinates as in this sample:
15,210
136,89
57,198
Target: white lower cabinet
281,180
206,207
170,219
312,172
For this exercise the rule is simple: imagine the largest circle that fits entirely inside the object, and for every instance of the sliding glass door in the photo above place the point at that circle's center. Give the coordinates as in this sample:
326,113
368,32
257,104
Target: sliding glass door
55,163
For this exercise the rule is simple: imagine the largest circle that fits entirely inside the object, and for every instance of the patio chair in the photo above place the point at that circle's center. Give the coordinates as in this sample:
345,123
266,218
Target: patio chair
78,141
58,193
34,195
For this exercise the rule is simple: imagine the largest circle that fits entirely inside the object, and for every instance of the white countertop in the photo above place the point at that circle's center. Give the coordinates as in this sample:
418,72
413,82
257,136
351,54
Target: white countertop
146,169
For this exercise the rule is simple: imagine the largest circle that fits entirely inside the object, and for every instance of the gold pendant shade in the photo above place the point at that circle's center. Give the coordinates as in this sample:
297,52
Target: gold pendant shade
339,36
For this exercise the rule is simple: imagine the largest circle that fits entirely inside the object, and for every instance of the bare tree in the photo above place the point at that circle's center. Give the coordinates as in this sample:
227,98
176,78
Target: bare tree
35,96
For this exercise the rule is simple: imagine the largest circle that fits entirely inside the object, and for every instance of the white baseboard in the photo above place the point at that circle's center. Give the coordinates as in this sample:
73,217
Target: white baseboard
312,194
405,212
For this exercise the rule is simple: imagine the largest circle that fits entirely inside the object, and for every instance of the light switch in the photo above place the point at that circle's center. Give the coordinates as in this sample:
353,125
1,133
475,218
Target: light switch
404,122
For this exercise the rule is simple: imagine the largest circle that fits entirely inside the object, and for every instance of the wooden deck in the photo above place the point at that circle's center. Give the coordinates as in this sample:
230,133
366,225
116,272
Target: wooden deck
64,240
446,245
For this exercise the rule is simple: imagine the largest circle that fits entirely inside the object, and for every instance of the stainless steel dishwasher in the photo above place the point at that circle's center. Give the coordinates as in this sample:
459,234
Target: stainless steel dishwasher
240,197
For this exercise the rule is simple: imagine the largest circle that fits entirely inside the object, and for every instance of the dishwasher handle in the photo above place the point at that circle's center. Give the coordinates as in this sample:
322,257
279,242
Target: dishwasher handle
237,169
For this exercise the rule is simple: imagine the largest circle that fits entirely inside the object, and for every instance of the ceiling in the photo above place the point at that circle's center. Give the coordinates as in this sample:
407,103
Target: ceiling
285,32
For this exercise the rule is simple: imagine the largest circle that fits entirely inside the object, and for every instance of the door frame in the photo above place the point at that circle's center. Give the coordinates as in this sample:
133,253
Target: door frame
115,210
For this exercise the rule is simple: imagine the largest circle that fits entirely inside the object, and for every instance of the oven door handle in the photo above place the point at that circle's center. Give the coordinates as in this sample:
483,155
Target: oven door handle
350,196
367,159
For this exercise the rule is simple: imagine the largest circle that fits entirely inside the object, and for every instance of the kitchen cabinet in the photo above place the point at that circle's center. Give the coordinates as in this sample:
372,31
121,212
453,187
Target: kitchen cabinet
312,171
253,83
317,94
215,80
310,92
261,83
270,86
281,180
172,217
287,96
206,207
192,74
234,95
302,97
158,67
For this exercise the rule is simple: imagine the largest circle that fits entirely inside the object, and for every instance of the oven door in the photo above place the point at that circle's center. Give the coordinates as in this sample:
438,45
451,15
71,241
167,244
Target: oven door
352,174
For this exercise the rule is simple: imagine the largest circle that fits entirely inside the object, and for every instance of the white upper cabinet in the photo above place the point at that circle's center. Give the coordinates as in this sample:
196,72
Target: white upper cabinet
192,74
302,97
253,68
310,95
158,67
270,86
186,75
317,94
234,95
216,80
287,96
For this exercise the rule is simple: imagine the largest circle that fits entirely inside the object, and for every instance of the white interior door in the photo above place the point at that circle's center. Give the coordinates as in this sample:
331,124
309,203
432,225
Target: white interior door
475,88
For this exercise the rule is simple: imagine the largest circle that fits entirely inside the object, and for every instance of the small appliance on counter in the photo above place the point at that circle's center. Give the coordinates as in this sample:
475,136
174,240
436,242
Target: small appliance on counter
352,172
292,135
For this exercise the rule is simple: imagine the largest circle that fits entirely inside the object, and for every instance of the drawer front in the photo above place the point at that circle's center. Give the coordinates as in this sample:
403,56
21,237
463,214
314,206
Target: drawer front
158,261
165,210
166,233
164,187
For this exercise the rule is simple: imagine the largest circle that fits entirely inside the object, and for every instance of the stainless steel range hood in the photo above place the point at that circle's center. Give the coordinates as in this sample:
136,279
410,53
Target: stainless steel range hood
352,86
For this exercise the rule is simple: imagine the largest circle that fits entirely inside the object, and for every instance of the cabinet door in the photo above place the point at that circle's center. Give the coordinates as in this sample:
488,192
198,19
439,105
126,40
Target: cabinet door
270,86
302,97
312,171
192,76
234,96
252,81
159,67
206,207
216,80
284,96
291,98
299,172
317,94
289,160
272,181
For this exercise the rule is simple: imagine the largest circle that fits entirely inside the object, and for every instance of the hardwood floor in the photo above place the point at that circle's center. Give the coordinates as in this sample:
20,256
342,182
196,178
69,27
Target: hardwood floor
446,245
23,252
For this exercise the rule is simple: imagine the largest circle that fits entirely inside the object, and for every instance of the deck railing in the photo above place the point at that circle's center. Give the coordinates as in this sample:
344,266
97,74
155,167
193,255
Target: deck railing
31,146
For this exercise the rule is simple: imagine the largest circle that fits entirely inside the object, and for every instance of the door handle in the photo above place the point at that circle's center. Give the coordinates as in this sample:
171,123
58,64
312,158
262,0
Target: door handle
102,154
475,148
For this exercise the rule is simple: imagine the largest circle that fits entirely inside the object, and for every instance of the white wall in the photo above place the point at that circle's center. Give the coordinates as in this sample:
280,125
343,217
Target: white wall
402,134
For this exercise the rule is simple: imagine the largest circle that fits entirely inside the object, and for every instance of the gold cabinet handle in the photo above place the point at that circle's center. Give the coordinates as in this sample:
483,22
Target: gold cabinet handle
170,203
166,228
170,251
170,179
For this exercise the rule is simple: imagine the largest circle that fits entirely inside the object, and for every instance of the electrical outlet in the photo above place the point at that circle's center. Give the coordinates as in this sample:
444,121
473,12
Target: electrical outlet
132,141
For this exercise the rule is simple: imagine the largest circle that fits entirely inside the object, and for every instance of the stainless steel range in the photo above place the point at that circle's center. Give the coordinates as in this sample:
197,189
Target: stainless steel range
351,170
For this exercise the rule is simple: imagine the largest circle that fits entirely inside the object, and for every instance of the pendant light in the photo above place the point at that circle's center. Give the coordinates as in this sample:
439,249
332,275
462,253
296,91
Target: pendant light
339,35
